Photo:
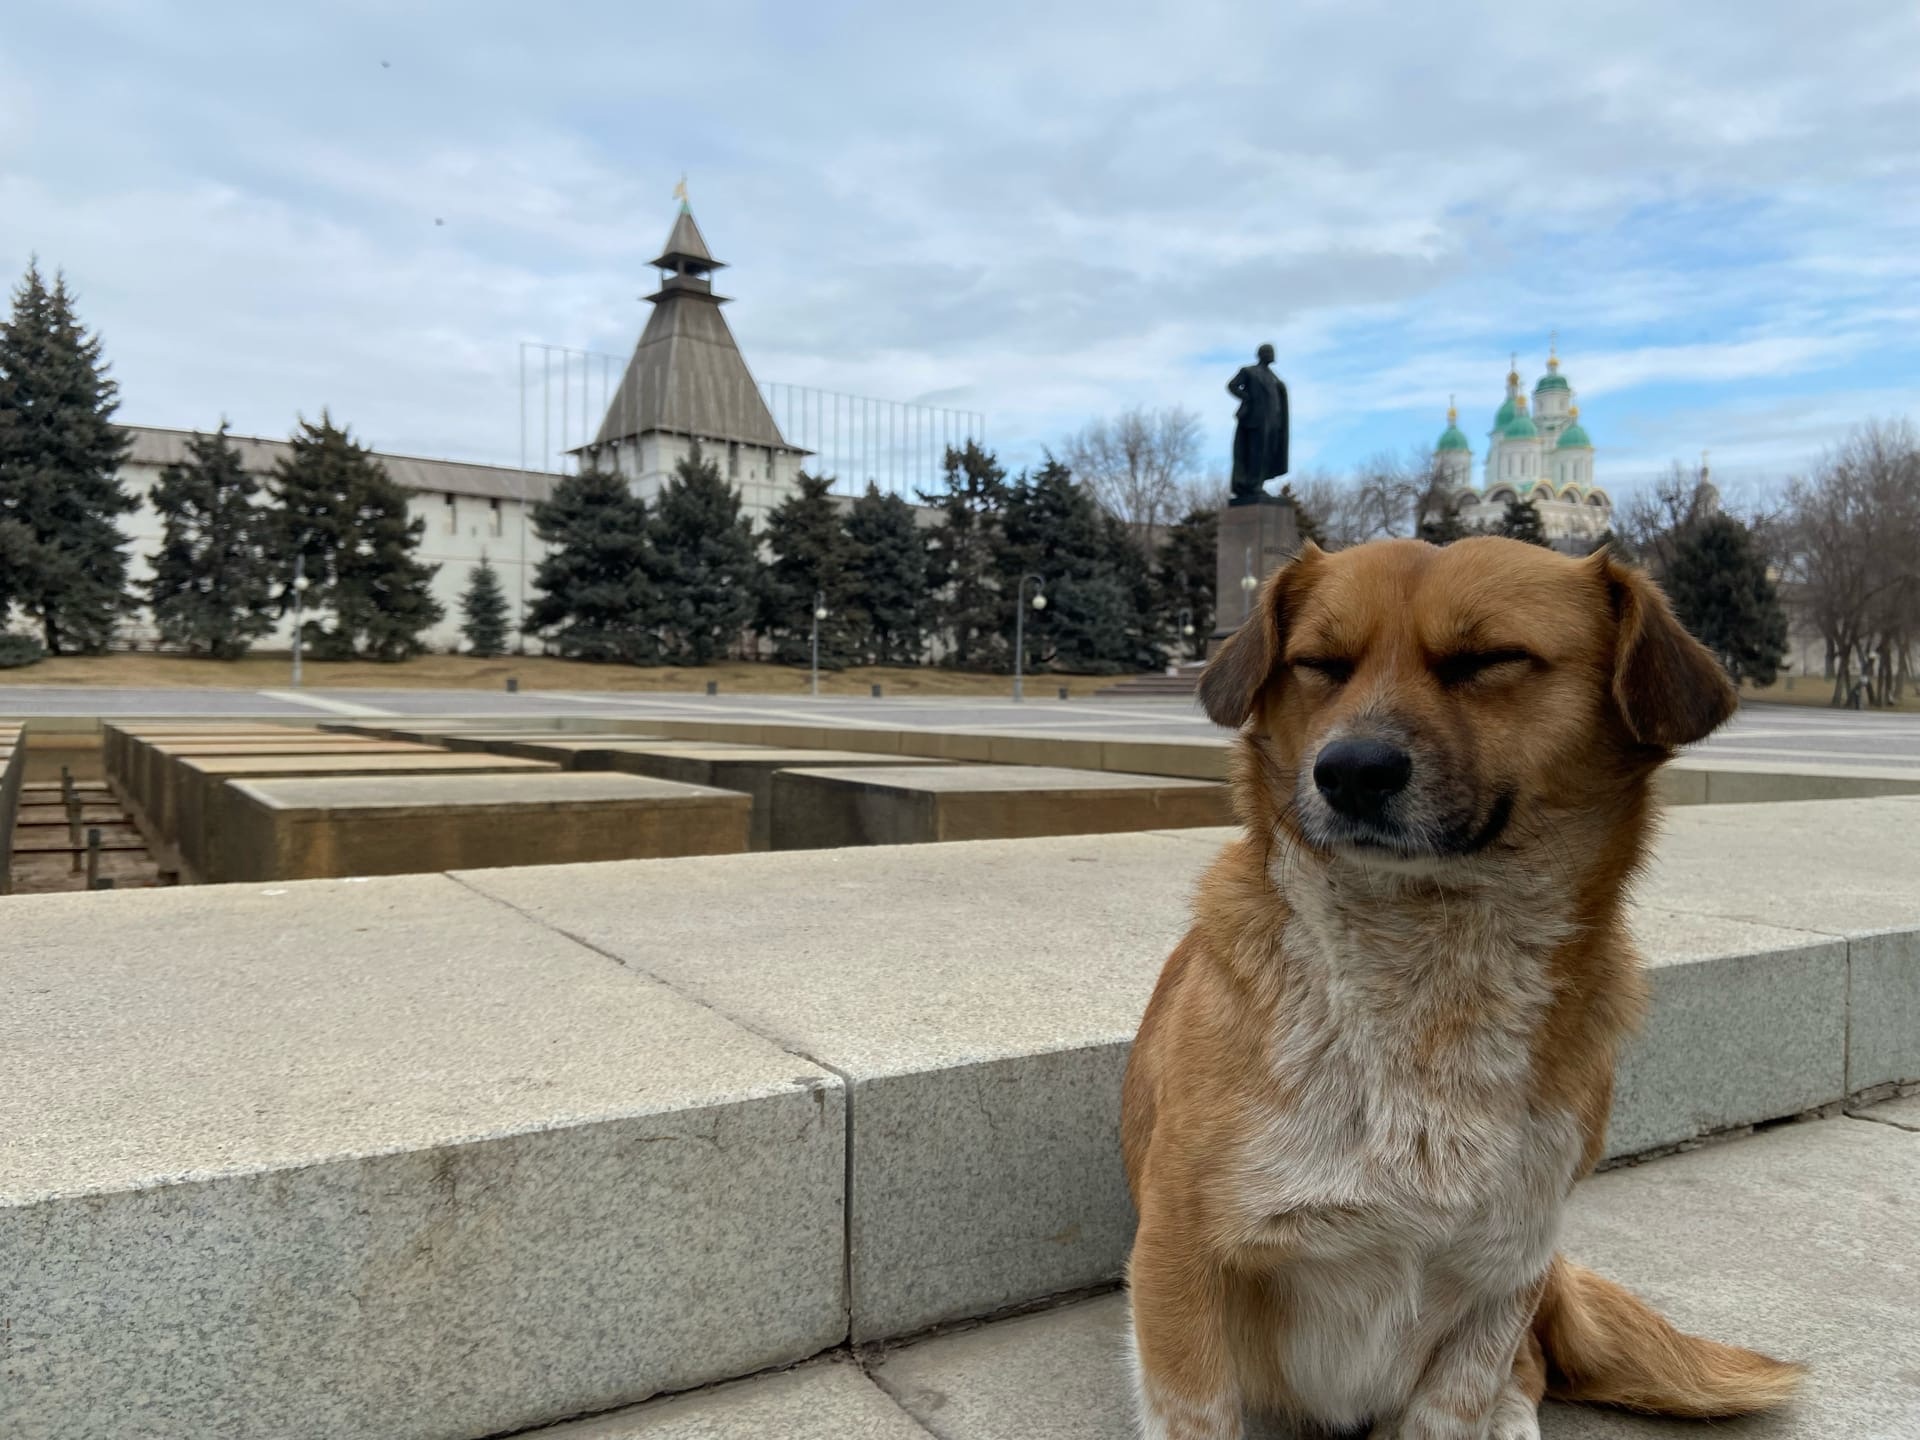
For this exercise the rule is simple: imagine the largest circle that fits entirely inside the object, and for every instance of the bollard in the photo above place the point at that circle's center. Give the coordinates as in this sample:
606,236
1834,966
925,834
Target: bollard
876,692
93,857
1063,692
513,684
713,687
73,833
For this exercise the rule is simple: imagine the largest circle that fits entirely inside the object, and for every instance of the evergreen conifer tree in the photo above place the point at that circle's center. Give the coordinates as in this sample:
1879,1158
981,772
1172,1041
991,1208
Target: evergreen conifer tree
1717,580
1098,617
963,570
1440,522
62,557
888,580
212,586
483,611
707,563
1521,521
597,594
1185,578
348,523
813,556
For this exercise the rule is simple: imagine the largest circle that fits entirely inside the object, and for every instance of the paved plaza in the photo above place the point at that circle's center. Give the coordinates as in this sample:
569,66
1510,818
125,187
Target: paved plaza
1781,733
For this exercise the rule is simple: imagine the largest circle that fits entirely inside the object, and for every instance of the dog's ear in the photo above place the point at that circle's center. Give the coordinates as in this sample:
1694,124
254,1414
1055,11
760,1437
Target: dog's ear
1246,660
1669,688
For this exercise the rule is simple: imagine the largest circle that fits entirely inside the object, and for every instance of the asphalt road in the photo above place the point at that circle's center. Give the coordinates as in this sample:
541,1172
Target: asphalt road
1762,732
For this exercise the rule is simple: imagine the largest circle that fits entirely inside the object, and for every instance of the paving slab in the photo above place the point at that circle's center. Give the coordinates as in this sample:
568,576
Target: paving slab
192,782
830,1400
749,771
825,808
381,1160
1798,1242
1903,1112
409,824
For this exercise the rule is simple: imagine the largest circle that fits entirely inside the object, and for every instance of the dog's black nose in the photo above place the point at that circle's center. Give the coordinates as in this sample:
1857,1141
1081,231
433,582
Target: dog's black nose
1358,777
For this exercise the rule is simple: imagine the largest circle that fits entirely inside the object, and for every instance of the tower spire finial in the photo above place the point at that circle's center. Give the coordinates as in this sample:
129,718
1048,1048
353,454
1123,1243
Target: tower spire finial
1553,350
680,194
1453,412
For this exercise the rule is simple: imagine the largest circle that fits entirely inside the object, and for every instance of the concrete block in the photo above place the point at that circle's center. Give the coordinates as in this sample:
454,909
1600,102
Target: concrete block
383,1160
1795,1242
819,809
972,749
1747,1023
1189,759
1757,782
556,746
747,770
1884,1009
830,1400
192,781
409,824
1060,751
979,1000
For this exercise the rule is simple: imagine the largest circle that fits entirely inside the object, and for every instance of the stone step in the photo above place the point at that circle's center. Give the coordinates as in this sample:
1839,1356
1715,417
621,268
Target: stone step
454,1156
1785,1242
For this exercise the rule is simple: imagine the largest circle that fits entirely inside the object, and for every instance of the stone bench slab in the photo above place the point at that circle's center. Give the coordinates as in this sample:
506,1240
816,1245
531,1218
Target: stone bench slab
191,784
816,809
401,825
381,1160
747,770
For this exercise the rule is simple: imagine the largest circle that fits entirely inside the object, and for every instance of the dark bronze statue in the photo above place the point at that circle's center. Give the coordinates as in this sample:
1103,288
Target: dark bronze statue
1260,442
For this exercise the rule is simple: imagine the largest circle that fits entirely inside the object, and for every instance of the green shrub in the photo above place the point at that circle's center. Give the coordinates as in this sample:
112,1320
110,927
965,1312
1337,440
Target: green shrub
18,650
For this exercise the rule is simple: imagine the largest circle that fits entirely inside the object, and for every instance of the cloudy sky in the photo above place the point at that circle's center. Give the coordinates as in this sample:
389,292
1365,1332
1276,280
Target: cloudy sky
1043,213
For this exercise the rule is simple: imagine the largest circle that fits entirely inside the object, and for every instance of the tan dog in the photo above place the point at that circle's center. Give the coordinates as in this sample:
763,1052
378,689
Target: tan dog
1376,1065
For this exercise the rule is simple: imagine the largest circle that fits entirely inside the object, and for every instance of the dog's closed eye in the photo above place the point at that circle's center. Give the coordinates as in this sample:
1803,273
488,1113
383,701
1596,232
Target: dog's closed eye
1456,670
1331,668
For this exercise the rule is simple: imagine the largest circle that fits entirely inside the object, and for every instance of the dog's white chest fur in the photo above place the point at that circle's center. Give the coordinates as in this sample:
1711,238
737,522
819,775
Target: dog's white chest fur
1407,1177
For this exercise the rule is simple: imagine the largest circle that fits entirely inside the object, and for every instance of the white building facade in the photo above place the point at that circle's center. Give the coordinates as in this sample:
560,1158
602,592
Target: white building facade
1541,454
469,511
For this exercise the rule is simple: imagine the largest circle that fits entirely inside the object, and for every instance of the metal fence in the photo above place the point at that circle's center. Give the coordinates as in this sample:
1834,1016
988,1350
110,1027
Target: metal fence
899,446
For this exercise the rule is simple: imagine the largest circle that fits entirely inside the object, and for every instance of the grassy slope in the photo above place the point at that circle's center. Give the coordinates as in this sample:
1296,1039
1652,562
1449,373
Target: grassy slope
535,672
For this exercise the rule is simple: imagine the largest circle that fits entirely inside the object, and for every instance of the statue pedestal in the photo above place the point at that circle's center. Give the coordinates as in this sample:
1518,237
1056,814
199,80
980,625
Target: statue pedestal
1255,540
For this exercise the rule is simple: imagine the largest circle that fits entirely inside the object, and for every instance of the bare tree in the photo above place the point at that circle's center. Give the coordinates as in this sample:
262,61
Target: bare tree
1853,531
1137,463
1652,520
1388,492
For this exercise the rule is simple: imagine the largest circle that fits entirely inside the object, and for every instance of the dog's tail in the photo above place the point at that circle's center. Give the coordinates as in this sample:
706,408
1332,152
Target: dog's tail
1608,1347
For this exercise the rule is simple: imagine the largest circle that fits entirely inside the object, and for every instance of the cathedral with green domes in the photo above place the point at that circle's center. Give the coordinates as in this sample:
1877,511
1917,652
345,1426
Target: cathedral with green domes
1540,454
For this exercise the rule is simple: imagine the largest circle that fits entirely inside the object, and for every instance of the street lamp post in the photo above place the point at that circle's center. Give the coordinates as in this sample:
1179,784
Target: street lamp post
1039,602
299,589
819,614
1186,623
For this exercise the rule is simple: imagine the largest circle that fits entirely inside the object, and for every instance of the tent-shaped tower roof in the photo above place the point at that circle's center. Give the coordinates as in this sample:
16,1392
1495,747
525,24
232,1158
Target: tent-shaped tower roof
687,376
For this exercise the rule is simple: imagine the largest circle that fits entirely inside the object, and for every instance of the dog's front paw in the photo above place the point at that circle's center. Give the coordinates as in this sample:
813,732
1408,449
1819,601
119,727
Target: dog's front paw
1515,1417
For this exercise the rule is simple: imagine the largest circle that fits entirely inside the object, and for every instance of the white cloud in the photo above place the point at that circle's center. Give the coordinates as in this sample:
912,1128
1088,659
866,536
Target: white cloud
1044,214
